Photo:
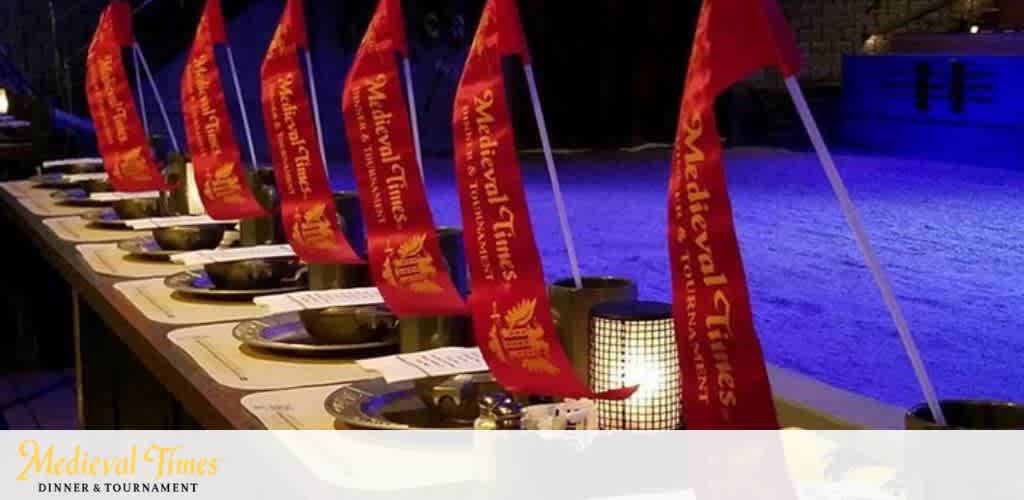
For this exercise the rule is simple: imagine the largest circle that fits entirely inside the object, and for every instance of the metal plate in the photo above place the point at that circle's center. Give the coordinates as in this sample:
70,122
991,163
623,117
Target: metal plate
286,334
146,248
197,283
52,181
105,218
378,405
77,198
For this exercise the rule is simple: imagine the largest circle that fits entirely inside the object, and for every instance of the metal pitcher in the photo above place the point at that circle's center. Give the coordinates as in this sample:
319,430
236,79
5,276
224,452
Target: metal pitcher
571,309
334,276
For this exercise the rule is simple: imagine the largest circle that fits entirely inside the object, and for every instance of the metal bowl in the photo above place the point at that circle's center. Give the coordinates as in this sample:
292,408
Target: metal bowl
255,273
456,398
97,186
349,325
435,403
138,208
188,238
77,168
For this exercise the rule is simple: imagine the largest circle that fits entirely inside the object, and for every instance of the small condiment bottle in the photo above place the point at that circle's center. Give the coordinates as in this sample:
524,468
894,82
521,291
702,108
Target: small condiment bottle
488,419
508,416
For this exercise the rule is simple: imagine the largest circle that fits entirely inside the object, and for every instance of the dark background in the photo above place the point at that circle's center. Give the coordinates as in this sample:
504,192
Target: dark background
610,71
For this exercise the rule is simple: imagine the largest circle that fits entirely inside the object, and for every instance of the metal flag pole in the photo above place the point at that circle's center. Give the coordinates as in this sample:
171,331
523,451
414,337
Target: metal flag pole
159,101
413,115
241,105
853,219
142,96
556,187
316,109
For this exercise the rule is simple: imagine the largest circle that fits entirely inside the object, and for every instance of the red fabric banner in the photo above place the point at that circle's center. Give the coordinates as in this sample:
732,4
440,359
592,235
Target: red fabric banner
724,379
216,157
404,250
307,204
127,156
509,302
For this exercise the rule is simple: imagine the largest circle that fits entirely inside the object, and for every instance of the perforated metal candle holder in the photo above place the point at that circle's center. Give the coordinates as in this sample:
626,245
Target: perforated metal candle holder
633,343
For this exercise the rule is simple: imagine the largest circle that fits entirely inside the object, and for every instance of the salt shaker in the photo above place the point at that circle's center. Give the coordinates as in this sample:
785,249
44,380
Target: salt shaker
495,408
508,416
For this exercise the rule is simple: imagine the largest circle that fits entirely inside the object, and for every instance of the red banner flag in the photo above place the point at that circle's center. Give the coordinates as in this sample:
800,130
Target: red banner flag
307,204
509,302
404,250
724,378
211,139
122,142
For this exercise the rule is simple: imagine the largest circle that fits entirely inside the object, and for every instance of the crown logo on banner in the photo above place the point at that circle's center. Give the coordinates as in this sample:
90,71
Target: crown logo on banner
224,185
131,165
516,336
410,266
312,228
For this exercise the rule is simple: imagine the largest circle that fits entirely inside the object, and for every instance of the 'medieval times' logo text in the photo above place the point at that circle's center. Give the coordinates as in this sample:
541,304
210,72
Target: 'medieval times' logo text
141,468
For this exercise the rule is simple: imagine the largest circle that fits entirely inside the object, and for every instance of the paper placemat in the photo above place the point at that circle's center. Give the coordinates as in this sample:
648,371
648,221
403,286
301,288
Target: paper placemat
119,195
47,206
439,362
183,220
319,299
95,176
72,161
24,189
78,230
106,258
161,304
292,409
231,364
234,254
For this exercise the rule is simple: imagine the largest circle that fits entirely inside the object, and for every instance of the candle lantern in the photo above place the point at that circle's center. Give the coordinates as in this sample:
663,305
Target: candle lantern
634,343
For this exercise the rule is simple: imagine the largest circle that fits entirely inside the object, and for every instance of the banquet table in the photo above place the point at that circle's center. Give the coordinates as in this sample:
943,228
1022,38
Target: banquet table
129,375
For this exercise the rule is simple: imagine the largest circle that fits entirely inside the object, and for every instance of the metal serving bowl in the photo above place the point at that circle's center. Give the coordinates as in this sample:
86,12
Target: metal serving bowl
255,274
348,325
97,186
138,208
435,403
456,398
188,238
78,168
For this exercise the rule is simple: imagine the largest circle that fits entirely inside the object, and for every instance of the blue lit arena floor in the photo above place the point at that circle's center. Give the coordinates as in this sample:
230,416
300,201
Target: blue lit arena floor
951,237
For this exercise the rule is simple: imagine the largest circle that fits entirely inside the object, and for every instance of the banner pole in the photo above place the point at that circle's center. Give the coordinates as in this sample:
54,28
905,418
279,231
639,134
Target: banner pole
853,219
159,101
241,105
315,104
556,187
142,96
413,115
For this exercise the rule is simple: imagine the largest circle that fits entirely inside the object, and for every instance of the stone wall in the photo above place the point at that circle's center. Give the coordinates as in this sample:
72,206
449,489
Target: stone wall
827,29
